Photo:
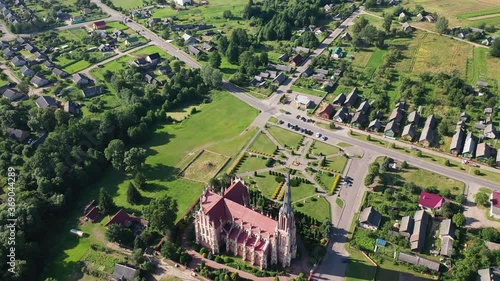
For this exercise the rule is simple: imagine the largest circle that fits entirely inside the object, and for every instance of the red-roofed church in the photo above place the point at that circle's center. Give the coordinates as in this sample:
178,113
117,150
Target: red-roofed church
226,222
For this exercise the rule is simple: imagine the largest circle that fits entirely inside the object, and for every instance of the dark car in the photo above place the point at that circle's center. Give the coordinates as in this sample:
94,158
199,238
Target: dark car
298,116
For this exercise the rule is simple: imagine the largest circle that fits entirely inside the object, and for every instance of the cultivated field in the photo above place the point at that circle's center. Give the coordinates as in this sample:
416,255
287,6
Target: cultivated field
205,166
459,12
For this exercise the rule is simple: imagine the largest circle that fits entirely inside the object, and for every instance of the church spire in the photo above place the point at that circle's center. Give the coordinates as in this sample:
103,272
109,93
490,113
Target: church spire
286,208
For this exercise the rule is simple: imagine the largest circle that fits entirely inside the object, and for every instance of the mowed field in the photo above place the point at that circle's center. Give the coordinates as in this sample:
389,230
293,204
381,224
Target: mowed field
432,53
217,127
459,12
128,4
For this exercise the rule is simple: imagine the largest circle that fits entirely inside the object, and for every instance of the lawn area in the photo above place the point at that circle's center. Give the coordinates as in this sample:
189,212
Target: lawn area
317,208
336,163
251,164
150,50
168,147
205,167
359,267
308,91
128,4
325,149
344,144
267,184
285,137
77,66
263,144
483,67
339,202
326,179
302,191
180,114
426,178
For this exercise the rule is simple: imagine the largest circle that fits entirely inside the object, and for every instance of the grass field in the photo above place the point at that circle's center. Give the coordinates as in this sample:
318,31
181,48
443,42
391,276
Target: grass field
285,137
457,12
252,164
205,167
169,148
325,149
317,208
431,53
307,91
336,163
359,267
150,50
263,144
128,4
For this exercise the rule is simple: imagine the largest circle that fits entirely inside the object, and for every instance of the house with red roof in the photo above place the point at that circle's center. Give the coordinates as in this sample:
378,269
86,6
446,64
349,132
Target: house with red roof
226,221
326,112
123,218
99,25
93,214
495,204
430,201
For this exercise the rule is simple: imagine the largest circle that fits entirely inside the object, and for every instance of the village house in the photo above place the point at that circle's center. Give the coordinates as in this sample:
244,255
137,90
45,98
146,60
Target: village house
132,41
495,204
346,36
490,131
193,50
337,53
280,67
339,100
296,60
374,126
406,226
279,79
457,141
430,201
284,57
359,119
326,112
26,71
46,102
417,238
12,95
39,56
396,115
93,214
351,98
469,149
447,236
8,53
301,100
402,16
364,107
17,134
59,73
427,135
483,152
419,17
17,61
71,107
99,25
409,132
413,117
430,18
124,272
341,115
419,261
370,218
391,129
80,79
188,39
407,27
76,19
38,81
207,47
30,48
489,274
91,91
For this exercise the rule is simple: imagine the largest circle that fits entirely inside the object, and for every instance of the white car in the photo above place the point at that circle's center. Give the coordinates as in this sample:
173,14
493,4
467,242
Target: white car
318,135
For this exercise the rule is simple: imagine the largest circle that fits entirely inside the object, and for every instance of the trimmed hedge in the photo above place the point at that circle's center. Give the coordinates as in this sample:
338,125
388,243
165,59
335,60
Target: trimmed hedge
236,163
335,183
277,190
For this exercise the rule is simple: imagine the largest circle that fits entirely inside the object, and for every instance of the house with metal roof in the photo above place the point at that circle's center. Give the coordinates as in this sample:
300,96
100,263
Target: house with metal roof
370,218
469,149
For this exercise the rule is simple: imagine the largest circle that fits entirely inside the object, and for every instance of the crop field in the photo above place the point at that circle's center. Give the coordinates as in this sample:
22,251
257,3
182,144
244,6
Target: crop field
205,167
458,12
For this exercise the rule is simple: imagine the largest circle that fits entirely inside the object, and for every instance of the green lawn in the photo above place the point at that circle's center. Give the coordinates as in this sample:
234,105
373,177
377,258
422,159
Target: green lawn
77,66
252,164
336,163
344,144
326,179
325,149
339,202
304,90
267,184
302,191
285,137
359,267
150,50
263,144
168,148
128,4
317,208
